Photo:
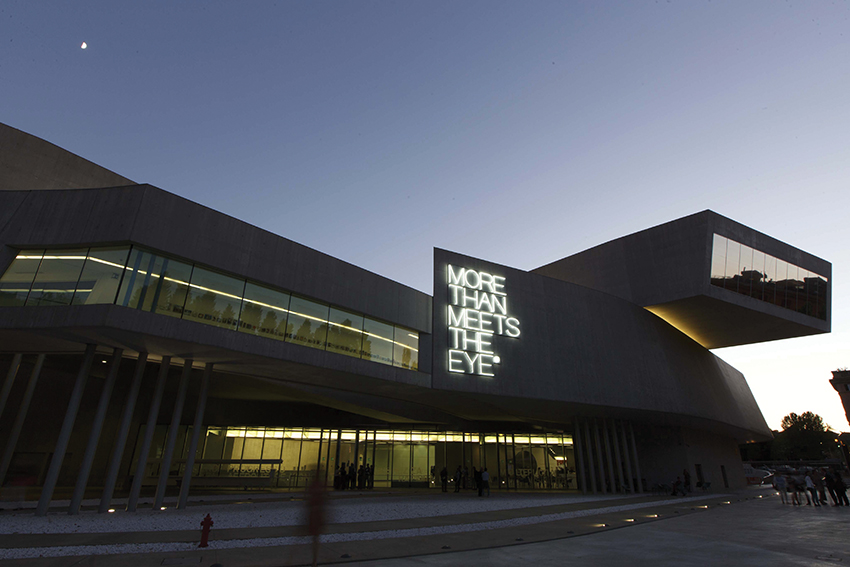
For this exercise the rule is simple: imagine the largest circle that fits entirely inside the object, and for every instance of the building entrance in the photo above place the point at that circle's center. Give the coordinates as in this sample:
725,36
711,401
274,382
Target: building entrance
292,457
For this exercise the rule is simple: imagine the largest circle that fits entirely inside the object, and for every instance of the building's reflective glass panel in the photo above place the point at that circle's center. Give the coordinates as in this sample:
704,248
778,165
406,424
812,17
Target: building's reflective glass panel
57,277
101,276
308,323
377,341
406,348
214,299
264,312
751,272
155,283
133,277
17,280
345,332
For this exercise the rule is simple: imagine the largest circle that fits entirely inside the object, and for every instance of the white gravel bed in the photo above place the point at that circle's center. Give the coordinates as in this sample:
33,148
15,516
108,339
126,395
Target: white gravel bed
282,513
329,538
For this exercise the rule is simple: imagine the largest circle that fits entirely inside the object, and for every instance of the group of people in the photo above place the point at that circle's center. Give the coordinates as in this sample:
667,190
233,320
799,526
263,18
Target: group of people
461,479
351,478
813,484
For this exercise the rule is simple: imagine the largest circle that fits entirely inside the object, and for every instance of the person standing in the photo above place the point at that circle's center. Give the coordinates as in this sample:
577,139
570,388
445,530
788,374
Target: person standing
840,489
476,475
444,479
458,475
810,486
485,481
782,486
687,476
352,476
817,478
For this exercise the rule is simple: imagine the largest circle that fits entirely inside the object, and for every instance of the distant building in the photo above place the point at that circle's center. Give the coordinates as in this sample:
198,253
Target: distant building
150,343
841,382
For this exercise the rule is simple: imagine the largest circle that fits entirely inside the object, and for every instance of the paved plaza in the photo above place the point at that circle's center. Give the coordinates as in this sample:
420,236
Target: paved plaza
387,529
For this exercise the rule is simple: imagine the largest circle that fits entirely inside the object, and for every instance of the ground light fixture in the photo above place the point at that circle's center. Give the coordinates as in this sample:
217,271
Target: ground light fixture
629,519
111,510
652,515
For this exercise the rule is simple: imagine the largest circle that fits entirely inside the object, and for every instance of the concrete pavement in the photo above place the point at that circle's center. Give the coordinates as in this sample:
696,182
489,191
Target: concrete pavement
739,530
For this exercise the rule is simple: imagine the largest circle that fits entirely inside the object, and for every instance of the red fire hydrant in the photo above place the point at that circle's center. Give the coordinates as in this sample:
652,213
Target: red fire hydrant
206,524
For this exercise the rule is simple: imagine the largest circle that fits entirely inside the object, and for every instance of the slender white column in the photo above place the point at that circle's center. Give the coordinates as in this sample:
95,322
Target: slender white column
121,437
150,426
590,466
171,439
10,379
65,432
608,455
599,457
629,474
196,435
580,473
624,483
94,435
12,441
637,464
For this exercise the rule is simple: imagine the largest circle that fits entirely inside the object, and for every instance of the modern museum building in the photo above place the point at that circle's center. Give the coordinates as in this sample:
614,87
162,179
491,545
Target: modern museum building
153,347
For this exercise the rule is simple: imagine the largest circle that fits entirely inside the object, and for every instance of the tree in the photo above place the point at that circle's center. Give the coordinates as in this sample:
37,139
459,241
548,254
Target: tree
807,422
805,437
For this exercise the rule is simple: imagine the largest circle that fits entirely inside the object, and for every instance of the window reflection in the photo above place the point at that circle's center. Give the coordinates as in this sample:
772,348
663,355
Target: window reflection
377,341
759,275
264,312
139,279
57,277
345,332
406,349
154,283
214,299
17,280
307,323
101,275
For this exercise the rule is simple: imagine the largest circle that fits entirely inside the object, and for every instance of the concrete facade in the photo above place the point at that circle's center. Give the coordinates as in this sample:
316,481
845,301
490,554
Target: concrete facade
600,361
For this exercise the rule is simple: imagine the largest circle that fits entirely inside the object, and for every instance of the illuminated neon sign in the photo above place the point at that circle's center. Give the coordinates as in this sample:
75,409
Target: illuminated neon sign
477,311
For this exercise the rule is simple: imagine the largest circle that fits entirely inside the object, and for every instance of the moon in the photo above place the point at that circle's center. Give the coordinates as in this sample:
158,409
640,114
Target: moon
84,45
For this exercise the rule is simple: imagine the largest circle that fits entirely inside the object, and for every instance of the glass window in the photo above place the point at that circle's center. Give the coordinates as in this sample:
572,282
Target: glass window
17,280
308,323
733,254
345,332
406,348
264,312
153,283
791,288
101,276
377,341
57,277
745,270
758,274
718,260
769,277
214,299
781,282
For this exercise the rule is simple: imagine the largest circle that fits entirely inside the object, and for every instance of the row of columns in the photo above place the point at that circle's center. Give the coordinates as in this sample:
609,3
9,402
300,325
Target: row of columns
606,456
122,435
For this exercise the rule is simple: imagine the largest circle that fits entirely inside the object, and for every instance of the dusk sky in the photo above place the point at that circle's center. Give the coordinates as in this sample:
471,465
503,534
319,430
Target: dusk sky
517,132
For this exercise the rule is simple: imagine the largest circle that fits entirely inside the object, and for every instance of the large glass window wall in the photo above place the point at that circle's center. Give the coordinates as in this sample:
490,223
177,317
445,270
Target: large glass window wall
293,457
745,270
141,279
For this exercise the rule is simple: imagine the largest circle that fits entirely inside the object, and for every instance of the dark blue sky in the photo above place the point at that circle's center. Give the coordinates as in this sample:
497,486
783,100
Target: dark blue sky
518,132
